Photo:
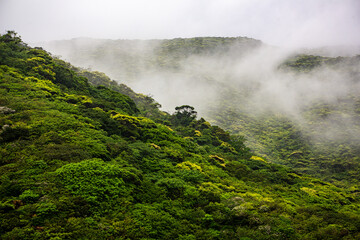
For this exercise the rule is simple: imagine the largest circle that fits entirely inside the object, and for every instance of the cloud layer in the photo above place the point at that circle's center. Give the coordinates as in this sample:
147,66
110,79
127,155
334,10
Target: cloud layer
304,23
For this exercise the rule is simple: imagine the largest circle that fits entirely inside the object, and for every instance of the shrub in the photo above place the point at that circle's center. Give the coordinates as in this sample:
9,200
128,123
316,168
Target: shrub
95,180
28,196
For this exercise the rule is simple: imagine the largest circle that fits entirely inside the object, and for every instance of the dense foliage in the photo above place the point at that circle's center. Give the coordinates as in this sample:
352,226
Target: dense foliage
79,161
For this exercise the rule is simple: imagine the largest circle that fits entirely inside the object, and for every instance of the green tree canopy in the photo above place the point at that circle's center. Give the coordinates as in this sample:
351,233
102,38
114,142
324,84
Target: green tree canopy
184,115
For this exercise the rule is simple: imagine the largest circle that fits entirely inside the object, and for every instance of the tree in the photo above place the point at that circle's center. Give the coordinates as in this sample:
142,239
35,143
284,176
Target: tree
10,36
184,115
11,47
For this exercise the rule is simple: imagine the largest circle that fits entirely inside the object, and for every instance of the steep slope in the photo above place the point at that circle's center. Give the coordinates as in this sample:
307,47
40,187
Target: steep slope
298,110
79,162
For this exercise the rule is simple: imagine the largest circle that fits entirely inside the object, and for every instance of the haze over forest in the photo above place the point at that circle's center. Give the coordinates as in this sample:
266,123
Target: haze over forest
242,75
180,119
175,61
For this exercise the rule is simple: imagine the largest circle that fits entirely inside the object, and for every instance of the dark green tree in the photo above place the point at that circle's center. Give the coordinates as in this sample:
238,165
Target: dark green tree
184,115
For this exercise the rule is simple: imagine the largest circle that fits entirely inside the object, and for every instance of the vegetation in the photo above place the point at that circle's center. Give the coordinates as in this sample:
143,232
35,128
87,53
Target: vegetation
324,144
80,161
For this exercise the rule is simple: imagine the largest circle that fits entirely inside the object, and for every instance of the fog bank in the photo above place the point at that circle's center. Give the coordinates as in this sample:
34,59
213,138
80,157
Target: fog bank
296,23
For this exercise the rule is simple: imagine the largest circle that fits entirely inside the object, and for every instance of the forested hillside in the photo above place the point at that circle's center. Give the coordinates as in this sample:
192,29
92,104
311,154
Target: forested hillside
298,110
320,138
80,160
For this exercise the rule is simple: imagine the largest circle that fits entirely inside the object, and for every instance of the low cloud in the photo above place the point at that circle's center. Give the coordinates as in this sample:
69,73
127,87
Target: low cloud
299,23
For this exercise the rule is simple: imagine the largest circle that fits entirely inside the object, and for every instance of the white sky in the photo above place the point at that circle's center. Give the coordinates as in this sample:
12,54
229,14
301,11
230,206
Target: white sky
302,23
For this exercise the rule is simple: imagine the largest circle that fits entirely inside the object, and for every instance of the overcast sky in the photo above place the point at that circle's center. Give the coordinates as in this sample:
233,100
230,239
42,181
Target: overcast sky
305,23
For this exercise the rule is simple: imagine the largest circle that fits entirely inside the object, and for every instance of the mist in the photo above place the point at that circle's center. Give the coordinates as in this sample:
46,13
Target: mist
252,69
298,23
245,78
329,28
